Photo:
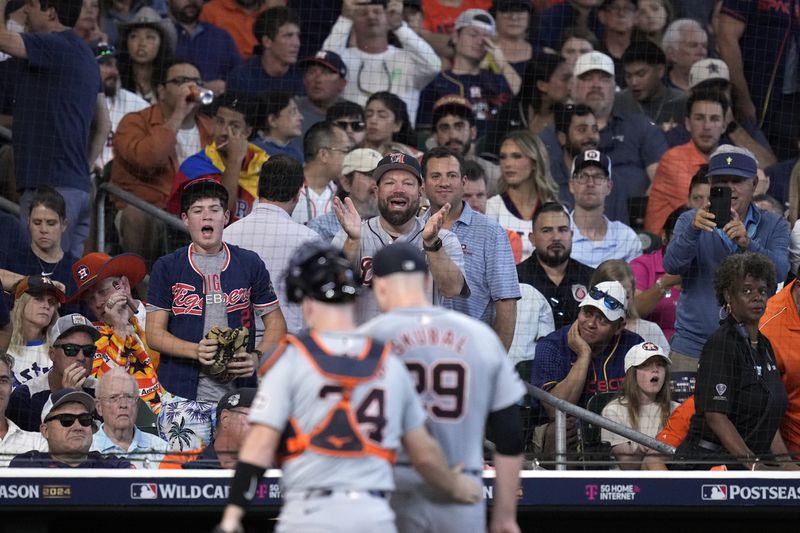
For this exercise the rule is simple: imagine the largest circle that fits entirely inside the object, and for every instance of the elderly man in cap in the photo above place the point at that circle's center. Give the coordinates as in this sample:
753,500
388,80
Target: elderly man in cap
233,422
595,238
400,188
105,286
67,426
72,347
700,243
13,440
359,185
586,357
117,399
632,142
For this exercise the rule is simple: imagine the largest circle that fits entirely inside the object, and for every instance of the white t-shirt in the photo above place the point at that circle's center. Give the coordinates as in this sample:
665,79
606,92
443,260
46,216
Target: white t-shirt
496,210
649,420
188,143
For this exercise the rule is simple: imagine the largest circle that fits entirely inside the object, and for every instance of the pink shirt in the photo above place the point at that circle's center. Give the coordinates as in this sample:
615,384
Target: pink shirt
647,269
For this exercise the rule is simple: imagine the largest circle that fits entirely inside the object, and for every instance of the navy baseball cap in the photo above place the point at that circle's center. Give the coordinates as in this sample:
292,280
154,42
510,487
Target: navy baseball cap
398,161
104,51
728,160
329,60
400,257
592,158
237,398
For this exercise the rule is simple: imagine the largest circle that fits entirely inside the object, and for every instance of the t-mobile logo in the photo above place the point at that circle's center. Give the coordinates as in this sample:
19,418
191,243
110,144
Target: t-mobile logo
591,492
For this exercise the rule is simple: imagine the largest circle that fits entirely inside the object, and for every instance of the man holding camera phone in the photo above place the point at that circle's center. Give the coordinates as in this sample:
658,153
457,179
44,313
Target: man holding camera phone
701,241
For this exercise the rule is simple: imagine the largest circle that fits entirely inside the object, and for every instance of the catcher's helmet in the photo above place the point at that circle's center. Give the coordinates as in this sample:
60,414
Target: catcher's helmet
321,273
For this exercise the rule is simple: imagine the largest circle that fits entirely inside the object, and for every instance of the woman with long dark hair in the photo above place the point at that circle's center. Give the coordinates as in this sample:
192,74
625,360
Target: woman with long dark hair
147,43
388,126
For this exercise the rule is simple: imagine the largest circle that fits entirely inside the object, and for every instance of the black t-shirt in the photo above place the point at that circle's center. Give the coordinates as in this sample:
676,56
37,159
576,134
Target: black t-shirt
742,382
563,298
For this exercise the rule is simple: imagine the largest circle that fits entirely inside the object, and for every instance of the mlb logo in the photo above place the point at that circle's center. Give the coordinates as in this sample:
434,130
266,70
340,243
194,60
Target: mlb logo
144,491
714,492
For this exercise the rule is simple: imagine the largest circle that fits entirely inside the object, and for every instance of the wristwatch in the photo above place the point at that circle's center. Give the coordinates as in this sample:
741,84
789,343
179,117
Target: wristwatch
660,285
435,247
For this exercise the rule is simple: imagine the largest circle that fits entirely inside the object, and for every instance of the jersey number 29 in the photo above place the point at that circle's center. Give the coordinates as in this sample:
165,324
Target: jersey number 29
442,386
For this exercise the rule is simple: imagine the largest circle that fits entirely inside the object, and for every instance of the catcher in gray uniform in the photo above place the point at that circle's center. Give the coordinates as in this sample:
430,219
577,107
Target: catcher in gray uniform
464,377
332,409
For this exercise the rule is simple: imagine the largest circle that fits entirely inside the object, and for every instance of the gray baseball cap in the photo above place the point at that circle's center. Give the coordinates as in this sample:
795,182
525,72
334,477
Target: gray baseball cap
69,323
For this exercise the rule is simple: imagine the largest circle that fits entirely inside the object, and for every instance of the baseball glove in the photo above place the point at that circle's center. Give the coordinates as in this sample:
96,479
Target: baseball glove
230,341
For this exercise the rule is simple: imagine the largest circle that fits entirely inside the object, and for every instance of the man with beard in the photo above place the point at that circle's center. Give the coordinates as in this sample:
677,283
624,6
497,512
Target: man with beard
576,130
230,159
357,183
454,128
400,189
210,48
119,101
563,281
488,260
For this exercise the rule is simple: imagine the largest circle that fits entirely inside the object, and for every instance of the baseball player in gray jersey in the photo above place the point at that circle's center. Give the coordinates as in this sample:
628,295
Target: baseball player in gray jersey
332,409
399,180
464,377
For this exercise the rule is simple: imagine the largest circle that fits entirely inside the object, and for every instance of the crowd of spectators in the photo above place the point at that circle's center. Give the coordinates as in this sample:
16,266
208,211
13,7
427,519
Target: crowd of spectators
563,165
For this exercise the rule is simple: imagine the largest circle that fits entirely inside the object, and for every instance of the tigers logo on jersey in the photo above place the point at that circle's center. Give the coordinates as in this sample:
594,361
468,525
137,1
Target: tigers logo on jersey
187,300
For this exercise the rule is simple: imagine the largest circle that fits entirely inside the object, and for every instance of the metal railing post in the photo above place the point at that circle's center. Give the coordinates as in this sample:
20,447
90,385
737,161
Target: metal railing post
561,440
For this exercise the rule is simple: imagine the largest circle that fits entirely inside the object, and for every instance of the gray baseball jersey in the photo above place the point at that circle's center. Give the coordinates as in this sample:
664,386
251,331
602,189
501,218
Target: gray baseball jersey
386,407
462,373
373,238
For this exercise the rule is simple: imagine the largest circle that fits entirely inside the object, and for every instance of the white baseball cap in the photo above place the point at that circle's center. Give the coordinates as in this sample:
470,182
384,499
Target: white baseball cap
593,61
361,160
609,297
707,70
642,352
477,18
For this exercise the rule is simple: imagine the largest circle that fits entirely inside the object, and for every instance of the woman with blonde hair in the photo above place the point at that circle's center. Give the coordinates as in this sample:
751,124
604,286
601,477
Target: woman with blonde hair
618,270
36,304
525,183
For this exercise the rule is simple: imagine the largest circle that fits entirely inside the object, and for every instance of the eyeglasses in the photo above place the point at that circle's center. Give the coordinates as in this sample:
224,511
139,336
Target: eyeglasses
71,350
105,50
357,126
609,301
584,177
66,419
182,80
120,398
334,149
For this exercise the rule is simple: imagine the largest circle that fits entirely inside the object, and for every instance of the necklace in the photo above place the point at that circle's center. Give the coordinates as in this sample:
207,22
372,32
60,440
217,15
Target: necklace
48,269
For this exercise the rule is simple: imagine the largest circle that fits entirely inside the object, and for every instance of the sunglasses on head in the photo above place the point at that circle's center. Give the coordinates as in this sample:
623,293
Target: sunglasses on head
609,301
355,125
66,419
71,350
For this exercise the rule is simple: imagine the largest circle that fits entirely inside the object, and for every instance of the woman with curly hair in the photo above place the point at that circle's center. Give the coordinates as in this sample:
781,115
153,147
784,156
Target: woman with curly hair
739,396
525,183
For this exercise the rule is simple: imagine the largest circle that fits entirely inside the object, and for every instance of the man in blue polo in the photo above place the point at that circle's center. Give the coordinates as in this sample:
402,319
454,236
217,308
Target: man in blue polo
488,260
698,246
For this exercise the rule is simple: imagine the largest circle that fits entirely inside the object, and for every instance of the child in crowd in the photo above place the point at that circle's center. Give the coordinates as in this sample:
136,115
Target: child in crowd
644,403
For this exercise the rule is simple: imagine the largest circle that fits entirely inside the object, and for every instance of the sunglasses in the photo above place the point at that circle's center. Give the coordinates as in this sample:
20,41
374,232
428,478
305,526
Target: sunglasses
609,301
71,350
66,419
356,125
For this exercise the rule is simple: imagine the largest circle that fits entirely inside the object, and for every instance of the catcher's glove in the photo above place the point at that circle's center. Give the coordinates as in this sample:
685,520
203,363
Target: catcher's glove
230,341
